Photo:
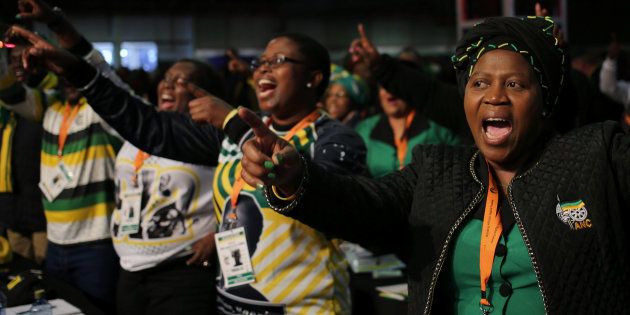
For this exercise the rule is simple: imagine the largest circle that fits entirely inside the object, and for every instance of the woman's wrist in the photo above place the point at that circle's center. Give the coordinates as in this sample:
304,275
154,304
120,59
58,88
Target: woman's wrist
281,196
228,117
276,195
80,73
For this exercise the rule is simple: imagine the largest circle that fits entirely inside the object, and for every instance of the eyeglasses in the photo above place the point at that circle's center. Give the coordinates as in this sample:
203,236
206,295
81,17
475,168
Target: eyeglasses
273,63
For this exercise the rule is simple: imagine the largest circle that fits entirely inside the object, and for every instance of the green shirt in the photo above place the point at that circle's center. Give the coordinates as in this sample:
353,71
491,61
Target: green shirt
378,136
514,267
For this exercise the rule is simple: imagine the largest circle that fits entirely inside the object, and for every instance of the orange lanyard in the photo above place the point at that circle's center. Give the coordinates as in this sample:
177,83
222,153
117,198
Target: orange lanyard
68,117
403,142
490,233
238,185
137,165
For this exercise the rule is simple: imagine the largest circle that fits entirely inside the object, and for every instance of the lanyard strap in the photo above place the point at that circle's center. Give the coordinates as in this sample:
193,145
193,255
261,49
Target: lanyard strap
141,156
490,234
403,142
238,185
69,113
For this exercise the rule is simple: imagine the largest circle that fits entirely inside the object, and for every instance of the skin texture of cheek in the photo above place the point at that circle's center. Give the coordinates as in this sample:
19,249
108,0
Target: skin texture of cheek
503,106
183,99
270,103
336,109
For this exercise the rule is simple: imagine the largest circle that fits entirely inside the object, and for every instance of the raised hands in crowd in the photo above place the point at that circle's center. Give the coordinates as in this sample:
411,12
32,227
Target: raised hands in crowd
40,51
270,162
207,108
237,65
363,50
54,18
36,10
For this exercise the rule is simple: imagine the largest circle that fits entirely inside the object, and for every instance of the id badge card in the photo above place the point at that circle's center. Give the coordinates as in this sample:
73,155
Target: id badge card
53,186
236,265
130,211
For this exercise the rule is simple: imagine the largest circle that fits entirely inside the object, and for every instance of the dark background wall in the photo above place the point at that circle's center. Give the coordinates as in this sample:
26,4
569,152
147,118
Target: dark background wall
206,27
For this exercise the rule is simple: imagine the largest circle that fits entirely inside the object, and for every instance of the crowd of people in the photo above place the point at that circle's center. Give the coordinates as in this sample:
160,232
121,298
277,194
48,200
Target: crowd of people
230,191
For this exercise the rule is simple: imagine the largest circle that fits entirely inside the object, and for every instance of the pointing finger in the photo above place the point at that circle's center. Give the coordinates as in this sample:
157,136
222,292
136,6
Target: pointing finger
257,125
361,30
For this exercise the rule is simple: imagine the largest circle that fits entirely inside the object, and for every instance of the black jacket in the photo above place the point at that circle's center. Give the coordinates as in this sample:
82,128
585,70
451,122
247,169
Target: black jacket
176,136
419,211
167,134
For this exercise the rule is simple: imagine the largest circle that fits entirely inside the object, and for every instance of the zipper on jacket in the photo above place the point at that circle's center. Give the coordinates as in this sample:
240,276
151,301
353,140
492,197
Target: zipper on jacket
451,232
530,250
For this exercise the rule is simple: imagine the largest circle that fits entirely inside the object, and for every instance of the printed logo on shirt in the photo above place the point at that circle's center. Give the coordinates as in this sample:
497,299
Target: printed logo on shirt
80,121
573,214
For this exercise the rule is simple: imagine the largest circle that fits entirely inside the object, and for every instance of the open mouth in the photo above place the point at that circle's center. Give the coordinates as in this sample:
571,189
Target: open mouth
167,100
392,99
496,130
266,87
19,73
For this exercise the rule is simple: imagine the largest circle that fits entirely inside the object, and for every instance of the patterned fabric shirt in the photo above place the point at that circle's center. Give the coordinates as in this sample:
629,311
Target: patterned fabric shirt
297,269
81,212
176,209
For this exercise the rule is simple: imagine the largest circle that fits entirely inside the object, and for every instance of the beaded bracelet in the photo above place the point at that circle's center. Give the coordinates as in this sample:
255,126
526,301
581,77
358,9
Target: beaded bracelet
297,196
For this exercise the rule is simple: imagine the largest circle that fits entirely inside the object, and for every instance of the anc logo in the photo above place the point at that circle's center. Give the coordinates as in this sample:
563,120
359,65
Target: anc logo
573,214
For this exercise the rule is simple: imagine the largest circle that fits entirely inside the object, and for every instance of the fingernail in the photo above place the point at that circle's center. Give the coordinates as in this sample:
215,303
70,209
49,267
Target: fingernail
279,157
260,186
18,17
268,165
271,175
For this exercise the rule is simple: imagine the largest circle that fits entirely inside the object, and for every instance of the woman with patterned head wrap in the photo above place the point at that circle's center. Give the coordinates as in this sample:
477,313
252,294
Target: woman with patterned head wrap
347,94
527,221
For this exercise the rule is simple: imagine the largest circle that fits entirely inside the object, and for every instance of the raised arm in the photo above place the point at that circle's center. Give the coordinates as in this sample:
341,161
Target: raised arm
170,135
68,37
439,101
167,134
354,208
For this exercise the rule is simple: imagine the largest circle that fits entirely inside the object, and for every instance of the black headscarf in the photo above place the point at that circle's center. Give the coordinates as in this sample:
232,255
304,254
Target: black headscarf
532,37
